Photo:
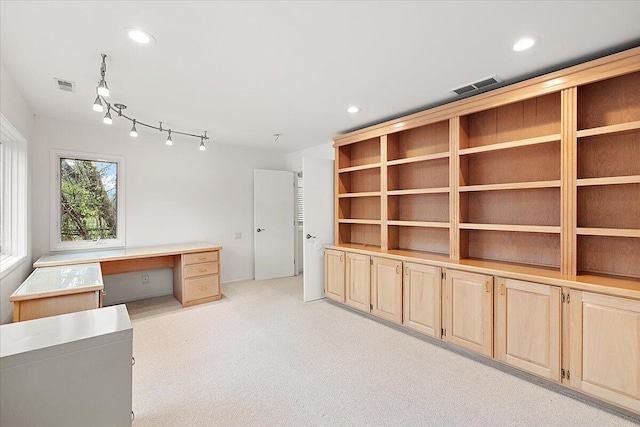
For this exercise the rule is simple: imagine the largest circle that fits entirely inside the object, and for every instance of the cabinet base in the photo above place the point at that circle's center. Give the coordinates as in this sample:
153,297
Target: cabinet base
549,385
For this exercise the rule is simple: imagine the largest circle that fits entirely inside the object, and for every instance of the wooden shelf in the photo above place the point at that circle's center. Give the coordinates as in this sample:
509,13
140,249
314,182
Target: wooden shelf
611,232
359,168
427,224
608,130
437,190
518,228
366,194
612,180
510,144
511,186
416,159
359,221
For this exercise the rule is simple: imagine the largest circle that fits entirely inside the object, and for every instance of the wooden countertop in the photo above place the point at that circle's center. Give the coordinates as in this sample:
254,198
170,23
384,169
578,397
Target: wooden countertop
60,280
66,258
622,287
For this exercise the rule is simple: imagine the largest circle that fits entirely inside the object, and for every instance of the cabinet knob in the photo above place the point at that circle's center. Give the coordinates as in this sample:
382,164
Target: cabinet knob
502,290
487,286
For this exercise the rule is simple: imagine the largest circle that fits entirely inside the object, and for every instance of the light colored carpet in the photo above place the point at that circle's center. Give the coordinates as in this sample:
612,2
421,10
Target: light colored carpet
262,357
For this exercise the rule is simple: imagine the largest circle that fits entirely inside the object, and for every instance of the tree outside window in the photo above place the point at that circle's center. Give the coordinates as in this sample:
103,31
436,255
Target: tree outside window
87,204
88,200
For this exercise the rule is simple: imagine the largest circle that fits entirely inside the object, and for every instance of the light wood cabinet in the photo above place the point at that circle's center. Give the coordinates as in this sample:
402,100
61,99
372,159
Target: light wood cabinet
334,275
469,311
386,289
357,277
605,347
528,327
537,184
197,277
422,289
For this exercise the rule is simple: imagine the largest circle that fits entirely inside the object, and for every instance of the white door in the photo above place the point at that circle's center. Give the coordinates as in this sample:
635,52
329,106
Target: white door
317,222
273,223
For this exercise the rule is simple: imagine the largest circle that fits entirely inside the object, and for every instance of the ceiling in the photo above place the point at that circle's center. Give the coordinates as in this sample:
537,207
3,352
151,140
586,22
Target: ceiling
244,71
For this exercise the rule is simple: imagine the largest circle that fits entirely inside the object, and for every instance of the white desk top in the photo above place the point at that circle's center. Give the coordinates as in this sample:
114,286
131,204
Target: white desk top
49,332
67,258
58,280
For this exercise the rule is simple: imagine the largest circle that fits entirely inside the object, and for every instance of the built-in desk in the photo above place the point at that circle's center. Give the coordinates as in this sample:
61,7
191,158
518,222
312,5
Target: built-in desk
196,267
50,291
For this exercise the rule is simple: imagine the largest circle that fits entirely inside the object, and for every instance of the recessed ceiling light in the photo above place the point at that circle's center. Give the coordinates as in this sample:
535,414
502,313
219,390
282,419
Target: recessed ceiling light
353,109
140,36
524,44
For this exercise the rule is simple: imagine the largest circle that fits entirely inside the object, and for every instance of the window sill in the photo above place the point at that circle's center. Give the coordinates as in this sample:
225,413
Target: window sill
8,263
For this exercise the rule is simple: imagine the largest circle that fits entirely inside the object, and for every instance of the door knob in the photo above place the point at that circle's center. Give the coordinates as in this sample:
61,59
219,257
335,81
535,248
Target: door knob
309,236
260,229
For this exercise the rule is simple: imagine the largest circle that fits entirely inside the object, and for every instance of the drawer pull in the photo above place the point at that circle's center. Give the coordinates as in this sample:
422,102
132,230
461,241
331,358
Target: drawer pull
398,269
203,270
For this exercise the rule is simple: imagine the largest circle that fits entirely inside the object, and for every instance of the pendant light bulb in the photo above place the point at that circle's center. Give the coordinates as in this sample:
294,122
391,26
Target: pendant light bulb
97,105
107,118
103,89
169,140
134,131
202,146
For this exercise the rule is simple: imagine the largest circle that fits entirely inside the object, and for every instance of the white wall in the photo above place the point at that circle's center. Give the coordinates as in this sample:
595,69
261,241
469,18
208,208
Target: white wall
321,151
17,111
173,194
294,162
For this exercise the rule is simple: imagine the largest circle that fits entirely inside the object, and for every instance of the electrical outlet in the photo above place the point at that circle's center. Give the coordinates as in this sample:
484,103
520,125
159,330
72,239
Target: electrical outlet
238,235
145,279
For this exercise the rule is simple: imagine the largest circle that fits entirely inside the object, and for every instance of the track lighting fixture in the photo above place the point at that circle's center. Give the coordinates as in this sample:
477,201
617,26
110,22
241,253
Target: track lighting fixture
97,105
100,103
103,89
107,117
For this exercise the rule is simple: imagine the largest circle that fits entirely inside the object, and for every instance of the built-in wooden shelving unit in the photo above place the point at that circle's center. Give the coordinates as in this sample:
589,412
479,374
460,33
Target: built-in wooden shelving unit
545,173
507,224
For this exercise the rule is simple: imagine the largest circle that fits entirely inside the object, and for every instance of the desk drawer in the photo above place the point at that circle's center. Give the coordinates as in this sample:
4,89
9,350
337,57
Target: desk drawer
203,269
203,287
200,257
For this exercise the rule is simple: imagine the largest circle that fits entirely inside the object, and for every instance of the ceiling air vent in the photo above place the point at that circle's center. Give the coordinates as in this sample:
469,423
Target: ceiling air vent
476,86
65,85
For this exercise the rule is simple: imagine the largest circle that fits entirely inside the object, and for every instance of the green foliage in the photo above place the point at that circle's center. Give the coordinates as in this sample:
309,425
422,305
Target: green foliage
88,200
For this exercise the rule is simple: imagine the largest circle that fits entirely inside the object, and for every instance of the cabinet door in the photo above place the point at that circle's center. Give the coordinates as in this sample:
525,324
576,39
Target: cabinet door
422,284
605,347
334,275
358,281
386,289
469,305
528,327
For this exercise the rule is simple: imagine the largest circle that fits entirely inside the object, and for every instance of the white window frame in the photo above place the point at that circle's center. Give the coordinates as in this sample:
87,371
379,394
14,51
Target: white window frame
56,243
14,197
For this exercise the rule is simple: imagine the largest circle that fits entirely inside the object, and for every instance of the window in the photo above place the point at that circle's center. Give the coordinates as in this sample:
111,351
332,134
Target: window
13,197
88,201
299,200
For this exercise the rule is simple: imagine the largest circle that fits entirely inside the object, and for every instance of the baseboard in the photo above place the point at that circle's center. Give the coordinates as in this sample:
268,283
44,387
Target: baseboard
549,385
237,280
